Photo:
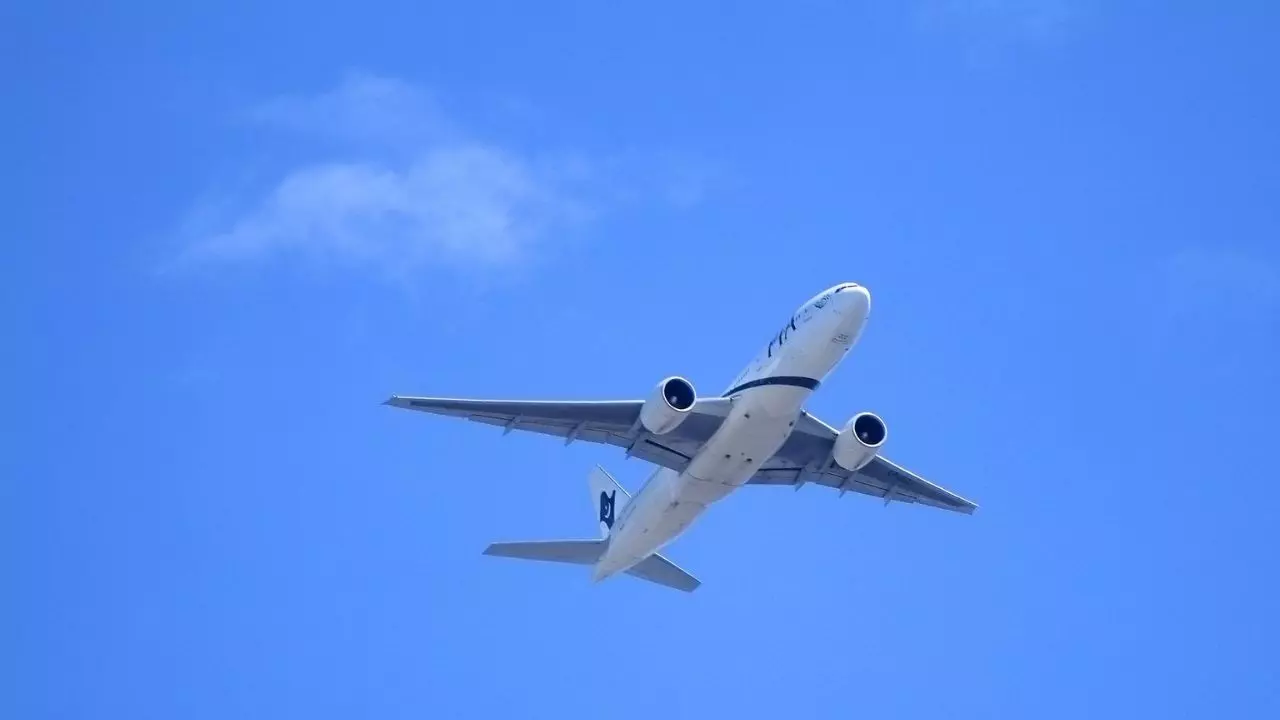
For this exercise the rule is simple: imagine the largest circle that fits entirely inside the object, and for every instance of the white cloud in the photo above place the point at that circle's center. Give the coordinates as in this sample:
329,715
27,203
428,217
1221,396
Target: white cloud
402,187
448,203
363,109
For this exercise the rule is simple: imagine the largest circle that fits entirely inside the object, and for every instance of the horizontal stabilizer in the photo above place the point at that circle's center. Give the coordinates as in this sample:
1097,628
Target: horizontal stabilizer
655,568
574,552
658,569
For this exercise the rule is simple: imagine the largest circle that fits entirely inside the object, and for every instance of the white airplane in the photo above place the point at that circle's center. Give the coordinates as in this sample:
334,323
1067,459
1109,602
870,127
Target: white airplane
756,433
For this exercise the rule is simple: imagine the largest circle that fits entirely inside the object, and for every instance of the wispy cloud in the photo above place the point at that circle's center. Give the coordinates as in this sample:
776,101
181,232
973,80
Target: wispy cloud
363,109
393,183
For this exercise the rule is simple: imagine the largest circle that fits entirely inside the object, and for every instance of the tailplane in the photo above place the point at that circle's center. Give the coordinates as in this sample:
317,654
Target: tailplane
608,498
655,568
574,552
658,569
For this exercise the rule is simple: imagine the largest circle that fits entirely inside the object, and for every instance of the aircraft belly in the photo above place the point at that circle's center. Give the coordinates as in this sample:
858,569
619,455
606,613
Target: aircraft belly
759,424
647,533
761,421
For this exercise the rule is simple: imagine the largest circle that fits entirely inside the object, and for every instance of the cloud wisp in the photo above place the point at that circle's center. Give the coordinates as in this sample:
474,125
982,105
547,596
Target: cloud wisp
396,185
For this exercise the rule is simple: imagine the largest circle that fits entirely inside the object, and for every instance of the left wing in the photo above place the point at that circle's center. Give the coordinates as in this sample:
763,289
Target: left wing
605,422
806,457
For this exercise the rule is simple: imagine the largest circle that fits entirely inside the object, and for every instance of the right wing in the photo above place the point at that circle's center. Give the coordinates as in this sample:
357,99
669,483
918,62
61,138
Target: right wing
605,422
806,457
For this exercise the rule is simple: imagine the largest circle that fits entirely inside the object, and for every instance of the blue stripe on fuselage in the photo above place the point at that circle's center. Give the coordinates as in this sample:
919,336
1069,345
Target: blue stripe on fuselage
792,380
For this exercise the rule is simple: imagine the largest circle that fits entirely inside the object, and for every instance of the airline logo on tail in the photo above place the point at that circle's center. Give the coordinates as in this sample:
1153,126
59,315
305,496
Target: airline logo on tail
606,507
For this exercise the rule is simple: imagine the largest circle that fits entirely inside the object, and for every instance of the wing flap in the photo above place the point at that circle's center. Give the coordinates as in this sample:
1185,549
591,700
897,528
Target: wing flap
901,483
894,485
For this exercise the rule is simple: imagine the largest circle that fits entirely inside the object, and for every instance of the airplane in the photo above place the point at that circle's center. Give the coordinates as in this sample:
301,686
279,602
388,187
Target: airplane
755,433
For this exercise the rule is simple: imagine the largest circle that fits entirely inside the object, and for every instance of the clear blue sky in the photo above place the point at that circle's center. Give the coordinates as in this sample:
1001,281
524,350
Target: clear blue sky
234,229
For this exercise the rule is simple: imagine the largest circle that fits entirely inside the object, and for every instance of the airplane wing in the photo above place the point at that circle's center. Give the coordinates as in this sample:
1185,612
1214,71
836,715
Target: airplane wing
806,458
605,422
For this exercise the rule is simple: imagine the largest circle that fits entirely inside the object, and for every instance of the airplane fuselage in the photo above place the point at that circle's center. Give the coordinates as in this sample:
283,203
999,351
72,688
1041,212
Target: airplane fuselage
768,397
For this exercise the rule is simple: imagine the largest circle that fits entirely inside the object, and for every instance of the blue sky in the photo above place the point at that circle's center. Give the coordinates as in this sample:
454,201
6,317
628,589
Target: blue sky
234,229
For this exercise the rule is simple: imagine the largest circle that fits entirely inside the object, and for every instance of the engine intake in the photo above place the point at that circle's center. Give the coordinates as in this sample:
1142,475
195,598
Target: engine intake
668,406
859,441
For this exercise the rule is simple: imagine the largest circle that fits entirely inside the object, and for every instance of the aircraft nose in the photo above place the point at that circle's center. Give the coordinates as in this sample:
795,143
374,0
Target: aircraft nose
854,300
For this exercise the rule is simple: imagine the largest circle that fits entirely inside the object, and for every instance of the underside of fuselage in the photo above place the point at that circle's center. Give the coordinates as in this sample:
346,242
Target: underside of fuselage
760,422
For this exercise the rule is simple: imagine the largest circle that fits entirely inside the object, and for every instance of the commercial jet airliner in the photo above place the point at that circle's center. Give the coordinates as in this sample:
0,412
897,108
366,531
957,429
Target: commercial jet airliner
756,433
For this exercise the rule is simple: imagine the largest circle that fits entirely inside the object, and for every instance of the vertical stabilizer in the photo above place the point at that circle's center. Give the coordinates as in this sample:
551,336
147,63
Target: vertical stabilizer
607,499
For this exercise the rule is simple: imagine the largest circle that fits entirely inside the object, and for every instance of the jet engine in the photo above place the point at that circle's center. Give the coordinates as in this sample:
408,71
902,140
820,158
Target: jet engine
859,441
668,406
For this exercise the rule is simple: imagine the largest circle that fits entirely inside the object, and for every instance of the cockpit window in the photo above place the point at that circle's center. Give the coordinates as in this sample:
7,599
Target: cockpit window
842,288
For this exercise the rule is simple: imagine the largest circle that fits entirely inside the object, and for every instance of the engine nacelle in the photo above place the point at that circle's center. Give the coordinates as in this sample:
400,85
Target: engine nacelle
668,406
859,441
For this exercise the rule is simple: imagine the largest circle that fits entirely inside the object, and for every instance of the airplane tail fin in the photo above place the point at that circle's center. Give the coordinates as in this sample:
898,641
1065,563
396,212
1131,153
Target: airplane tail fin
607,497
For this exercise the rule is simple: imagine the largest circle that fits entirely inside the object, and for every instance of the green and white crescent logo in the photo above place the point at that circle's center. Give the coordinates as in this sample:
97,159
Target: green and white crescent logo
606,507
